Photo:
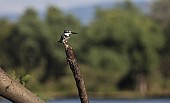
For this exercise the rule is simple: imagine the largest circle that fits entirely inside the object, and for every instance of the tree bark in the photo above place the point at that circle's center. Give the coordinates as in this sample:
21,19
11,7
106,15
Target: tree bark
77,75
141,85
14,91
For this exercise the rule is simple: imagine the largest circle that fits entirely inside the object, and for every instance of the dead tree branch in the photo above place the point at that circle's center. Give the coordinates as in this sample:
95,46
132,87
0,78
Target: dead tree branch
14,91
77,75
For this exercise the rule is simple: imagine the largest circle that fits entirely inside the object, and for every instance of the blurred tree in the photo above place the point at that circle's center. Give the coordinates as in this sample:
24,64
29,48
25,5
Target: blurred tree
160,12
57,22
32,42
5,28
122,39
24,48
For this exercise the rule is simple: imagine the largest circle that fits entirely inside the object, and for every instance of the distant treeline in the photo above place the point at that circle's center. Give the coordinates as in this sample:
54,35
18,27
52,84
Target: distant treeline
129,47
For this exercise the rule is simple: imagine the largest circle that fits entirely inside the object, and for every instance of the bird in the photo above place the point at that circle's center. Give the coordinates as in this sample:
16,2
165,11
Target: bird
65,36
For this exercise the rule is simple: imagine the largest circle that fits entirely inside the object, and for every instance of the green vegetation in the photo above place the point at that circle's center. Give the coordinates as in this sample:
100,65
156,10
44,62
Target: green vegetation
121,53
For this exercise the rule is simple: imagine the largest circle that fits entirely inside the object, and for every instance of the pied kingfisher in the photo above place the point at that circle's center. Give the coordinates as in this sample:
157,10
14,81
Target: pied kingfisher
66,35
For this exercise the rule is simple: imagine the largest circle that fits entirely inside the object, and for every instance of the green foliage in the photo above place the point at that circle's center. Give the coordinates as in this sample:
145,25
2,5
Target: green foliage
123,35
120,43
21,77
5,28
24,79
161,14
124,39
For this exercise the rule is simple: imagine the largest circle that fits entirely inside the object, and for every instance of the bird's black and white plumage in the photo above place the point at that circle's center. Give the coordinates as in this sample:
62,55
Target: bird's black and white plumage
65,36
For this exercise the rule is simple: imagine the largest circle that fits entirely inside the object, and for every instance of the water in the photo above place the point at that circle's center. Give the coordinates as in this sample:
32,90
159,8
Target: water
107,101
113,101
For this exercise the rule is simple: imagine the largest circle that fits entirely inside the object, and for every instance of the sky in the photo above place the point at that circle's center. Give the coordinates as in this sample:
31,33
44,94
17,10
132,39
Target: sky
17,7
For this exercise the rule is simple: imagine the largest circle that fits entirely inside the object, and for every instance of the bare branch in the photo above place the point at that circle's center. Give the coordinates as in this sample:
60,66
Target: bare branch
76,72
14,91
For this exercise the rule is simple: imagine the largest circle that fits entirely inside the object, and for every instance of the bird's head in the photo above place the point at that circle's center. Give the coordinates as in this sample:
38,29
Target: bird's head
68,32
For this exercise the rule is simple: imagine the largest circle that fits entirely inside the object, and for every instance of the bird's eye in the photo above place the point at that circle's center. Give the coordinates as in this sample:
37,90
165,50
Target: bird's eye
65,31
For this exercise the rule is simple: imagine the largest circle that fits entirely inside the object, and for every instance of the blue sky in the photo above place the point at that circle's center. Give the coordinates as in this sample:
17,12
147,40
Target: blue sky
17,7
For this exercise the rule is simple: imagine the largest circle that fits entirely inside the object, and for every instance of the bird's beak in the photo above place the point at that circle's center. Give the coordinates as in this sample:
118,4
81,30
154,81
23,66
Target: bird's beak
73,33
